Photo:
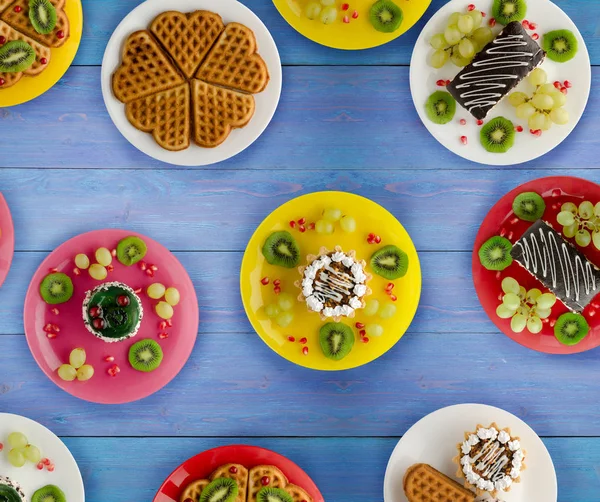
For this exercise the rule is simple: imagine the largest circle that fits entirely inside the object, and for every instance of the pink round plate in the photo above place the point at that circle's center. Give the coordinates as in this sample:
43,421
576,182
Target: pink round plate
202,465
7,239
556,191
128,384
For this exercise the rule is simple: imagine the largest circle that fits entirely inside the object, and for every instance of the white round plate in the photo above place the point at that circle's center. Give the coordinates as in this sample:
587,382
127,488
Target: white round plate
239,139
433,439
66,474
423,78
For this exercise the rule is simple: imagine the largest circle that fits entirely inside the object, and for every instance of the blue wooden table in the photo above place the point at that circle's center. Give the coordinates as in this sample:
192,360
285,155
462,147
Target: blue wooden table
345,122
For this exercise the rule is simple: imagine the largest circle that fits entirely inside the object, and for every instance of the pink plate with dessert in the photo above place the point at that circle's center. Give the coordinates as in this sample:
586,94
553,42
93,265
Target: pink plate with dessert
111,316
7,239
535,264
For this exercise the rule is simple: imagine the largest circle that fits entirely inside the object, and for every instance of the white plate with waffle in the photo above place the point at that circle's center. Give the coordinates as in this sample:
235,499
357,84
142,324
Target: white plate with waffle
138,105
433,440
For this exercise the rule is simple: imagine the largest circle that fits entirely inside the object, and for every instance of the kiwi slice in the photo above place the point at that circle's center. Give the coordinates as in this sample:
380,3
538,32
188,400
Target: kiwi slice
130,250
336,340
507,11
281,249
268,494
145,355
220,490
560,45
42,15
16,56
440,107
386,16
49,493
529,206
56,288
390,262
495,253
571,328
498,135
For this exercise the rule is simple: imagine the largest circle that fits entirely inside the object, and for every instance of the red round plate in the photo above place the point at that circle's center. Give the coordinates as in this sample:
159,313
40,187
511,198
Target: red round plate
7,239
202,465
128,385
555,190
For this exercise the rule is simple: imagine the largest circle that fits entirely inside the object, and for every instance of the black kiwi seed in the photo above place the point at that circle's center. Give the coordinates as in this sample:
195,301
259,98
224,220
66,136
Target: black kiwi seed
281,249
495,253
220,490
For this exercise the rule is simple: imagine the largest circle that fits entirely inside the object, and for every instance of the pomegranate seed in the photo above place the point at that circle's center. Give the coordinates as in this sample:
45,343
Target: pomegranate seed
525,24
519,128
447,82
137,291
345,6
503,232
557,84
109,359
95,312
264,281
463,122
48,328
277,282
60,34
470,7
311,226
592,312
18,8
113,370
552,323
233,469
2,40
533,26
355,14
169,323
346,19
2,81
595,305
291,339
55,328
492,22
303,340
143,265
1,447
50,468
302,229
123,300
564,90
483,14
162,336
42,61
498,275
301,221
110,267
500,296
265,480
377,239
390,286
162,325
150,272
359,325
53,270
441,83
76,271
510,236
188,500
154,268
55,311
40,466
305,350
393,298
545,321
364,339
292,224
535,36
514,221
371,236
537,132
113,253
463,140
46,461
554,206
98,323
568,84
51,336
277,290
362,332
480,122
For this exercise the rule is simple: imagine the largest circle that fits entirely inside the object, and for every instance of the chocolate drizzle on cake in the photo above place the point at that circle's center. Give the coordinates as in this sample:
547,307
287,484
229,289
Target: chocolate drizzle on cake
333,285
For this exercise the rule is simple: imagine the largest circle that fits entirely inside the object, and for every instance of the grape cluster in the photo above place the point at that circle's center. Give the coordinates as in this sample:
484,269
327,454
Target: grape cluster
544,107
21,450
281,312
332,215
581,222
324,10
525,309
76,368
462,39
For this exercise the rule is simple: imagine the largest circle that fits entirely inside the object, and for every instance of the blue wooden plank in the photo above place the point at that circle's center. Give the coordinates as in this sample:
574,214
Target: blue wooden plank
334,117
101,20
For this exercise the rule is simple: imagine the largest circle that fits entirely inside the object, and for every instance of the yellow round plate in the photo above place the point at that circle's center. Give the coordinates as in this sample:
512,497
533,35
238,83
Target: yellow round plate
358,33
29,88
370,218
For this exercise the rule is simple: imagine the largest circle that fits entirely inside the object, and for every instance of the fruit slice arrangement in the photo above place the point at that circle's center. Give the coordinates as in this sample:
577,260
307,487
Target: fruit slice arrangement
539,259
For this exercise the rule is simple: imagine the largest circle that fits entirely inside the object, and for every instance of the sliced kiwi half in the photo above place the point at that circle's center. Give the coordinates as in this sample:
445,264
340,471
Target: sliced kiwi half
571,328
440,107
386,16
42,15
130,250
529,206
495,253
281,249
145,355
16,56
49,493
507,11
336,340
56,288
220,490
560,45
269,494
389,262
498,135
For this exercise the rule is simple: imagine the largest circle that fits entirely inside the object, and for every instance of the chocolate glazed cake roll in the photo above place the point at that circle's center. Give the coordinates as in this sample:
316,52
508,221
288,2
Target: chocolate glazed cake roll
496,70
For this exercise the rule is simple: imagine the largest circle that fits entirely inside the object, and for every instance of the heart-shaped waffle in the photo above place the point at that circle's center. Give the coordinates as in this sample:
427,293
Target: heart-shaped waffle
17,15
264,475
423,483
236,472
187,37
194,490
233,61
297,493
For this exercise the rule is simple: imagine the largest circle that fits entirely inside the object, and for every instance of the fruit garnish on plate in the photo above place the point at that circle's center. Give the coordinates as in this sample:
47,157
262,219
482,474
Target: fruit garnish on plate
508,11
529,206
21,451
281,249
336,340
440,107
560,45
498,135
76,367
145,355
571,328
56,288
386,16
11,491
581,222
389,262
423,483
494,254
49,493
268,494
131,250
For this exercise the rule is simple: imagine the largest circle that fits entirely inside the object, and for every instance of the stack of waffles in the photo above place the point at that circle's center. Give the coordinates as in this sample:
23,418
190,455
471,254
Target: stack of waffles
190,77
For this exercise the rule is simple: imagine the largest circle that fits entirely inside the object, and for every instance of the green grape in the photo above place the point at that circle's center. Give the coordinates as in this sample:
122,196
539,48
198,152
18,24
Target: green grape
596,209
586,210
312,11
466,48
164,310
543,313
172,296
596,239
542,102
503,312
328,15
510,285
77,358
332,214
371,307
518,323
458,60
558,97
284,319
546,301
565,218
517,98
534,325
482,36
583,238
453,19
85,373
285,301
571,230
452,34
511,301
272,310
439,58
569,206
525,110
17,440
348,224
32,453
324,227
67,373
374,330
156,291
547,89
16,457
103,257
387,311
559,116
533,294
477,17
538,77
465,24
547,122
524,310
522,293
82,261
327,3
439,42
537,121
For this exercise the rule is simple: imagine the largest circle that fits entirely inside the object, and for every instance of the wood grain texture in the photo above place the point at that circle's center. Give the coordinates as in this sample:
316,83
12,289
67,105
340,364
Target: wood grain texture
329,117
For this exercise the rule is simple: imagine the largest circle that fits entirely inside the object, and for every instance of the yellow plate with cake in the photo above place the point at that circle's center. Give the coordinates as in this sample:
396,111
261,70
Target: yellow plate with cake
370,218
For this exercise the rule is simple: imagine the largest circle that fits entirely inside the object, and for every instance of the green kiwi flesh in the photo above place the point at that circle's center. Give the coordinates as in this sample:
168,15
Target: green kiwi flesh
386,16
529,206
49,493
495,253
440,107
571,328
16,56
336,340
389,262
56,288
145,355
130,250
42,15
560,45
220,490
507,11
9,494
268,494
498,135
281,249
